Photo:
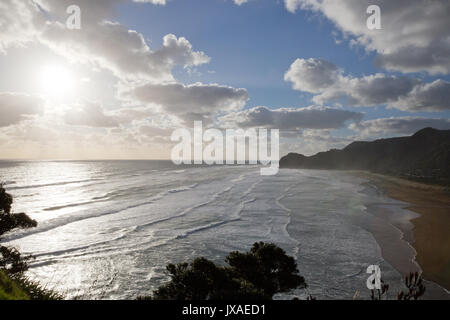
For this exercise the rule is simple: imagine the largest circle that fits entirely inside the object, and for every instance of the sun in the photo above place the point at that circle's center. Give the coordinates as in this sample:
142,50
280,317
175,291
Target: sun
56,81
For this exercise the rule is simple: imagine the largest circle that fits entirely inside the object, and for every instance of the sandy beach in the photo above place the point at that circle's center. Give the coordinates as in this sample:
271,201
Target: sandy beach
430,233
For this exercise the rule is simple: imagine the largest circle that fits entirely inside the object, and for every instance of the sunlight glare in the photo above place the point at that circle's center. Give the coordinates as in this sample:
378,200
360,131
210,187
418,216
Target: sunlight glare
56,81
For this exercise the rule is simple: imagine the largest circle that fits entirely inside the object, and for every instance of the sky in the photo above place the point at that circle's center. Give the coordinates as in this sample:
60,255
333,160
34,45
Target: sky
136,70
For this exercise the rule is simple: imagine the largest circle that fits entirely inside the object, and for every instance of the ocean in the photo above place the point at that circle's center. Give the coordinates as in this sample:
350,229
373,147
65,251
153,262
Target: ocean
107,229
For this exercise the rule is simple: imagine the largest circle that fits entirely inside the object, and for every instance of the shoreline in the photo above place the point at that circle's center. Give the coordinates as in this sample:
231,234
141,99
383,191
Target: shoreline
427,232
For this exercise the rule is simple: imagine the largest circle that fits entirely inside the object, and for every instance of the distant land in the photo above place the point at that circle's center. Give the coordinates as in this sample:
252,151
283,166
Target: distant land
423,157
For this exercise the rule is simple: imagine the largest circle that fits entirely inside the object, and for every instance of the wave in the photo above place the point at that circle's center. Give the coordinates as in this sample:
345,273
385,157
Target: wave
124,232
72,205
62,221
184,188
185,211
61,183
202,228
289,218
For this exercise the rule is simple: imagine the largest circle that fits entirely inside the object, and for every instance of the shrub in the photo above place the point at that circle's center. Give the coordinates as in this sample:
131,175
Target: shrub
258,274
13,283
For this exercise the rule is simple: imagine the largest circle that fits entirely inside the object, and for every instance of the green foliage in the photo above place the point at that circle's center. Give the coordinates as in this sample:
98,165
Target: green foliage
6,201
258,274
267,267
34,290
9,289
11,261
12,221
9,221
19,287
13,283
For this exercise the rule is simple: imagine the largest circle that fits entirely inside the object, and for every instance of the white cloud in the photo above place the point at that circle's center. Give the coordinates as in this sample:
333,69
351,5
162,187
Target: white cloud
160,2
17,23
329,84
100,42
124,52
414,37
293,5
312,75
240,2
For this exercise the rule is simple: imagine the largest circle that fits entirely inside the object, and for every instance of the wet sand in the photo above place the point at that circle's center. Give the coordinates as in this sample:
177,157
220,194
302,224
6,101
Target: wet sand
430,232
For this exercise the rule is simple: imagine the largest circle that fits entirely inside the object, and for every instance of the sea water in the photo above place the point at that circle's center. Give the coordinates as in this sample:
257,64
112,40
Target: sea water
107,229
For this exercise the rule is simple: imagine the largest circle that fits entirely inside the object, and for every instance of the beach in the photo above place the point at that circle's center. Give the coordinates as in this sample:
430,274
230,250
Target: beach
429,234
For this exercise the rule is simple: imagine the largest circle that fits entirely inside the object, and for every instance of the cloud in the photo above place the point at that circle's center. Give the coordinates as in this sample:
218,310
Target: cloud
240,2
129,115
414,36
312,75
100,42
376,89
427,96
92,11
124,52
399,125
312,141
17,23
153,131
312,117
16,107
91,115
329,84
32,132
190,102
159,2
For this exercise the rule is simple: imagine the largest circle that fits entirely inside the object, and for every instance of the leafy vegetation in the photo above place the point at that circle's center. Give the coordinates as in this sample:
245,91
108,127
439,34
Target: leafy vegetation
13,282
10,290
9,221
258,274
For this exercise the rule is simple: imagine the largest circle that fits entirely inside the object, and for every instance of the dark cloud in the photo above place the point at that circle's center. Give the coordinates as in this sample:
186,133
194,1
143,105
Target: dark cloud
292,119
191,102
16,107
90,115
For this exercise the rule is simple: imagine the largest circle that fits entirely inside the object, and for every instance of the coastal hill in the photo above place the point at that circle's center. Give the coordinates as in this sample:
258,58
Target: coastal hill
424,156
